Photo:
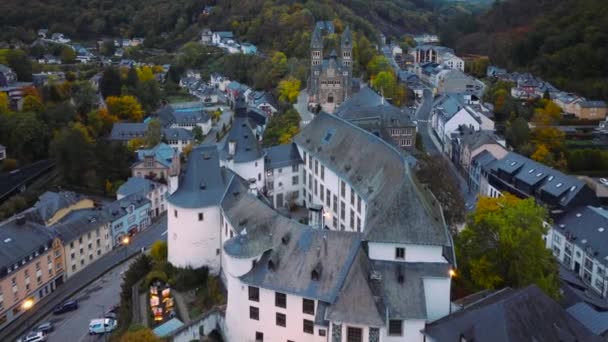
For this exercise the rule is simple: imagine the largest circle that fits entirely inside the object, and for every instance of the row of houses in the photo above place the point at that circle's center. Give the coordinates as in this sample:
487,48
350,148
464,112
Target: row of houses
62,234
527,86
228,42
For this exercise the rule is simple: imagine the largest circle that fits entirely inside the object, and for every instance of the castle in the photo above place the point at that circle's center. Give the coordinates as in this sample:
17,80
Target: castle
372,264
330,81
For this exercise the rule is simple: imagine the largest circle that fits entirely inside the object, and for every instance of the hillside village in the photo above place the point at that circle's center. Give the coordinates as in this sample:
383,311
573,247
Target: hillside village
310,203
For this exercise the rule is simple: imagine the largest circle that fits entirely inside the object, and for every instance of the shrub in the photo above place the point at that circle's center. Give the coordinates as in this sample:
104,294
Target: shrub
154,276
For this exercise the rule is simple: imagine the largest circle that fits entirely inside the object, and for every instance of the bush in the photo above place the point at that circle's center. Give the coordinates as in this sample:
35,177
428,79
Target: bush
154,276
186,279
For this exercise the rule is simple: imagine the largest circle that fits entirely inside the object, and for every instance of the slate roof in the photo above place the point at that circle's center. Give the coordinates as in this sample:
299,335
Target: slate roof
247,145
80,222
281,156
162,153
511,315
398,208
168,327
177,134
204,182
136,185
366,104
483,158
593,104
126,131
588,229
224,34
51,202
118,208
595,321
173,114
20,241
329,252
476,139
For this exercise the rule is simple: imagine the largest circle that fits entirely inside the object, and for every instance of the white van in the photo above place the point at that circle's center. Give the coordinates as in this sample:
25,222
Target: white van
101,325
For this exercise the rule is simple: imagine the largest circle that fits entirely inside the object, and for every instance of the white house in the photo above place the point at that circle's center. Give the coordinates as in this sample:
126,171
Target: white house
218,81
287,281
156,192
452,61
283,175
579,242
218,37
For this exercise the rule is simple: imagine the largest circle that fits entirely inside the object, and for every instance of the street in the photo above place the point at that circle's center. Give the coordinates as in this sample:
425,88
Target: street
93,300
224,120
92,273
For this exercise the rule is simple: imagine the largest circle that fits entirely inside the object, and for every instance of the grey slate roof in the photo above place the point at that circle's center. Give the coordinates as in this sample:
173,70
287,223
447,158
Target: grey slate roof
398,208
204,182
247,145
80,222
588,226
136,185
118,208
593,104
523,315
126,131
281,156
20,241
173,114
595,321
177,134
476,139
51,202
366,104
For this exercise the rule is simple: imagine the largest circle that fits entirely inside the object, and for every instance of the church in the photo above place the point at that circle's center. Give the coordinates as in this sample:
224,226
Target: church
330,81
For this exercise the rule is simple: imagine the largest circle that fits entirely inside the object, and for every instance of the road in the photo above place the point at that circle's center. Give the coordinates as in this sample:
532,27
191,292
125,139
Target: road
101,267
224,120
301,106
93,300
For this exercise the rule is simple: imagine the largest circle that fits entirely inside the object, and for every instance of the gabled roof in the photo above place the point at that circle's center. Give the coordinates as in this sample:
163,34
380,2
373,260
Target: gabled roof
595,321
281,156
593,104
588,229
18,241
118,208
162,153
137,185
247,145
177,134
398,208
80,222
128,130
50,202
366,104
204,182
511,315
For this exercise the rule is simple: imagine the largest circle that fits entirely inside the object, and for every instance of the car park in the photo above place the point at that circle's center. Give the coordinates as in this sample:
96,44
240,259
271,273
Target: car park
65,307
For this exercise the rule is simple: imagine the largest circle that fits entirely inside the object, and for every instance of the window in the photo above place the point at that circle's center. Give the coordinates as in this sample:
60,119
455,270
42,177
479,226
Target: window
308,306
315,187
335,222
200,216
310,181
328,198
174,213
281,320
322,332
335,204
352,219
359,224
342,189
294,168
359,204
321,192
304,179
395,327
316,167
280,170
254,313
399,253
309,327
254,294
354,334
352,196
294,180
259,337
588,263
72,244
342,210
322,172
310,162
280,300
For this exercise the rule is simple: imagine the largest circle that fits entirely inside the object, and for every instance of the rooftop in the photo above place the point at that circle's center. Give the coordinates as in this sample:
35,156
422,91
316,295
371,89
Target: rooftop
80,222
282,156
50,202
162,153
247,146
21,239
587,227
137,185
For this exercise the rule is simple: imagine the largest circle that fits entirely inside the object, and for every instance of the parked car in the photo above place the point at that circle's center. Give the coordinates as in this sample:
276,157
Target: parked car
101,326
65,307
34,336
604,181
45,328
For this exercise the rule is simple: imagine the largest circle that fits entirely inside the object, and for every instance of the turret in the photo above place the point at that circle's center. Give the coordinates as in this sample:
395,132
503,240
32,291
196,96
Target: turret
316,47
346,47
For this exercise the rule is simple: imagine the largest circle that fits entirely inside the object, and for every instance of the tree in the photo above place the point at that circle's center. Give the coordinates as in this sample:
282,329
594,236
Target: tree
145,74
282,128
154,133
125,108
73,152
518,132
32,104
140,335
67,55
84,96
502,245
289,89
4,103
378,64
385,82
100,122
547,115
158,252
435,171
197,132
135,144
28,136
17,60
109,84
108,48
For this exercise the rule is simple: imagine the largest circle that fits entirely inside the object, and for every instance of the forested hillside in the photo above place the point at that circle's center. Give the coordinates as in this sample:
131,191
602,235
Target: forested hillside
563,41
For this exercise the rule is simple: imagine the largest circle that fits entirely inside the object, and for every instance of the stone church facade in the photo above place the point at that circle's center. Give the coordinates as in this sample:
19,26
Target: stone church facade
330,80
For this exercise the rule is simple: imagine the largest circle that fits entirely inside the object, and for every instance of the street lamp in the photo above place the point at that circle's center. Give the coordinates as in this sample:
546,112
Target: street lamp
125,242
27,304
452,273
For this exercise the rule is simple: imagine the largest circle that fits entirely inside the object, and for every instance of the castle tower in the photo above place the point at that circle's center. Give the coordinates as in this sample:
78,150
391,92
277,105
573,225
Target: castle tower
316,48
346,49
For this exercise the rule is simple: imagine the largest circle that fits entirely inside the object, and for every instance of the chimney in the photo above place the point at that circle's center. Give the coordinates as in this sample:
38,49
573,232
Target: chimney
253,189
231,147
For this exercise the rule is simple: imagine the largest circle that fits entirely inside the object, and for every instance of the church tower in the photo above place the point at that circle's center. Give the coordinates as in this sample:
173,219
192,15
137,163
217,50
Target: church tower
346,51
316,48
